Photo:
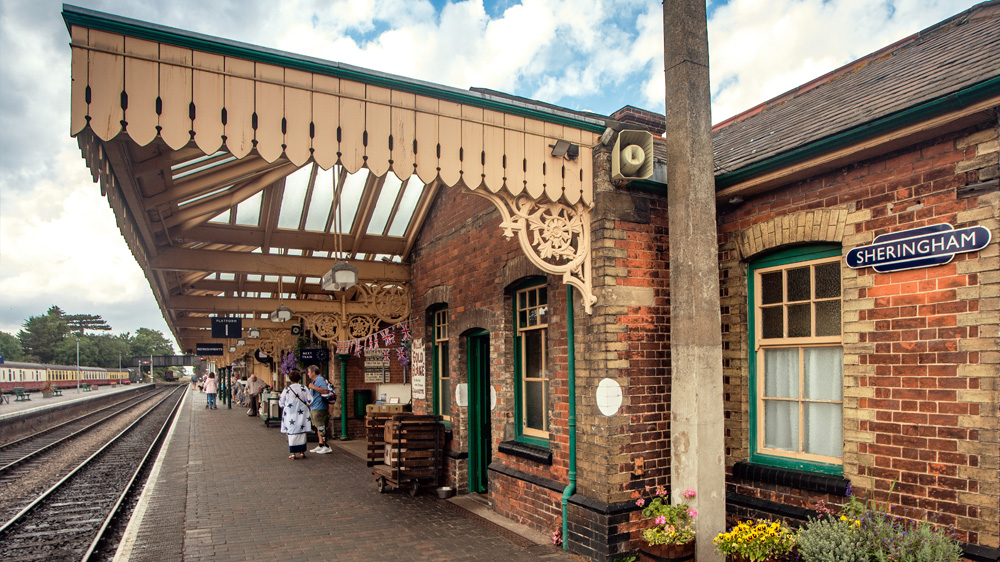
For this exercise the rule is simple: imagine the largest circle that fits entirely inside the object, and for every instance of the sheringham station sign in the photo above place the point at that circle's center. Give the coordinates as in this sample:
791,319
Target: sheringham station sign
926,246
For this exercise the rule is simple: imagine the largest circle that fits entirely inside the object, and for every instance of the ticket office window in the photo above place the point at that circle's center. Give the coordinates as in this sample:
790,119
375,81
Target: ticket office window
797,360
531,348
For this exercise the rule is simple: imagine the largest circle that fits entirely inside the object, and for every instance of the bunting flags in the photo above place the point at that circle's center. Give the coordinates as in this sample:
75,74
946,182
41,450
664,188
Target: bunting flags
387,339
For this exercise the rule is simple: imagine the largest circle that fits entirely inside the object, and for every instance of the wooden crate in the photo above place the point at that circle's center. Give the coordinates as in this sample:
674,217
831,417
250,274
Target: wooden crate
405,449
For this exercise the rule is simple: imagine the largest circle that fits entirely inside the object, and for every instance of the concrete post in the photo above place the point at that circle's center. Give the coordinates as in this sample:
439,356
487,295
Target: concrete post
696,420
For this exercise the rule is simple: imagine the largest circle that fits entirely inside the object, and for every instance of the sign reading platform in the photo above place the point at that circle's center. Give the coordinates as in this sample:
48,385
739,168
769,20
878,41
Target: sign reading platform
919,247
227,328
208,348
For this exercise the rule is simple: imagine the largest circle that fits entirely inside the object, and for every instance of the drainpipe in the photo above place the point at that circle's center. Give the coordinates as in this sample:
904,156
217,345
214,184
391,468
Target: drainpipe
343,397
571,376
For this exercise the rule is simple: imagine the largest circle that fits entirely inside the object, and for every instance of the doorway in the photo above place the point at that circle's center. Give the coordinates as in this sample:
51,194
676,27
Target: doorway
480,418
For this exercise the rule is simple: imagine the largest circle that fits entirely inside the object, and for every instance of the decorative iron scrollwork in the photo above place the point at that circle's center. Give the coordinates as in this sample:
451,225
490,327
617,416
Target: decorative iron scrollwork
553,235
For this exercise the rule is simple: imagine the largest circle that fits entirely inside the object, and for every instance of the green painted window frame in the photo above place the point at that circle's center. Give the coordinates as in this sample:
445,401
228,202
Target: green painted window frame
435,363
781,257
519,434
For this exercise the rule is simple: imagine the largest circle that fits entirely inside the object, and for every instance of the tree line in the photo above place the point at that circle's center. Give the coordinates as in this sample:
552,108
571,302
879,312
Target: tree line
51,338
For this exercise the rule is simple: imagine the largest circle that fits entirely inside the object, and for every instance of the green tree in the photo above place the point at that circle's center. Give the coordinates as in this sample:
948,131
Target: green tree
10,347
80,323
40,335
148,342
112,350
65,352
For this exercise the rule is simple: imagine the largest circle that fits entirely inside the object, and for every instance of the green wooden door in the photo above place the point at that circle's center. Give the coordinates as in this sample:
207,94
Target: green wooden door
480,450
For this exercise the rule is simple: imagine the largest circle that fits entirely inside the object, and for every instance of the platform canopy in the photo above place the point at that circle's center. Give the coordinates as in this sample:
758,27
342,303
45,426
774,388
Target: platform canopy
239,175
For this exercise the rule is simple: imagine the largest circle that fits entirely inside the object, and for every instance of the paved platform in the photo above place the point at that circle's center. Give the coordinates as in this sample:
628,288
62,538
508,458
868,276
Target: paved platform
68,395
224,489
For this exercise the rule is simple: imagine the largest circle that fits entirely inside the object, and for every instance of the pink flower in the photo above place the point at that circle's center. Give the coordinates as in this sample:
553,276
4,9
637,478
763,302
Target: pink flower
660,520
692,512
640,502
689,493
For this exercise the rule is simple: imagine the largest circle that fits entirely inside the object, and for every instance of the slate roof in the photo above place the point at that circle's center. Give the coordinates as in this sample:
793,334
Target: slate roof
951,56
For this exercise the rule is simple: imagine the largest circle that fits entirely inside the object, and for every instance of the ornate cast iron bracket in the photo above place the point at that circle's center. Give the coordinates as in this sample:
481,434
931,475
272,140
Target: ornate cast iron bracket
379,302
553,235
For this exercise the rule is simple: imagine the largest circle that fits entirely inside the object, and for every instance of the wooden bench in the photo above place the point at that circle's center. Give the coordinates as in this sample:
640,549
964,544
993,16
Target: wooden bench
56,392
20,395
85,387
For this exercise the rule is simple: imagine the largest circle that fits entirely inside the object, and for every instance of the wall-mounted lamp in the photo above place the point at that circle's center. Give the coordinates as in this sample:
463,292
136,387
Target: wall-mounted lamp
232,349
565,149
281,314
341,276
253,333
735,200
241,341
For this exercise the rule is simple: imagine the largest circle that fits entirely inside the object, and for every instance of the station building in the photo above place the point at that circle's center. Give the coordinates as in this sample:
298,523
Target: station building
505,254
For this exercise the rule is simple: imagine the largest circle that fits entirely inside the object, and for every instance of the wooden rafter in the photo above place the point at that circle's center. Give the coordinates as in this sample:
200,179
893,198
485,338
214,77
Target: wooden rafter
181,259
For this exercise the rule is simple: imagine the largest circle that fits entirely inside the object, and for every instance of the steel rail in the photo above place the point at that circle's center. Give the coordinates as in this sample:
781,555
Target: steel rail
136,401
55,487
132,481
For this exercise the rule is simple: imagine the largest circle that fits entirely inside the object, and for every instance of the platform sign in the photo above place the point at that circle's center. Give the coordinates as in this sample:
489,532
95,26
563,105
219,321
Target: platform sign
208,349
227,328
927,246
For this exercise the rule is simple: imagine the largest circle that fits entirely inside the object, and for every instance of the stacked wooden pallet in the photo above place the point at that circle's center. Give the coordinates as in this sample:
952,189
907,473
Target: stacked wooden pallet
404,449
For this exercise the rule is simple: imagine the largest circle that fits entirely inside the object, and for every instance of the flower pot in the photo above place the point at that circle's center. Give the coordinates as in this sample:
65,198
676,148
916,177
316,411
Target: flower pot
667,552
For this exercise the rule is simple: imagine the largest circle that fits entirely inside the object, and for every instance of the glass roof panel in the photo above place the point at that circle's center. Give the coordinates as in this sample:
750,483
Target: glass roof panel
248,211
407,205
294,198
227,276
350,198
386,201
222,217
322,200
254,277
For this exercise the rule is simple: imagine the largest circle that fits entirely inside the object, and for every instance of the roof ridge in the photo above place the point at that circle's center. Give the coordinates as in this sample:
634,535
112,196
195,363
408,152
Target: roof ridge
888,50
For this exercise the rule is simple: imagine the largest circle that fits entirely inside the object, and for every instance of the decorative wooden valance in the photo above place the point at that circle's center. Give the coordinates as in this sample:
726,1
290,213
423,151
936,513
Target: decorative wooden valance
147,88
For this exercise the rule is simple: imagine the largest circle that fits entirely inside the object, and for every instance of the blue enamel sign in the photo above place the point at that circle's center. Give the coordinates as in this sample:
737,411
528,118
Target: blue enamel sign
919,247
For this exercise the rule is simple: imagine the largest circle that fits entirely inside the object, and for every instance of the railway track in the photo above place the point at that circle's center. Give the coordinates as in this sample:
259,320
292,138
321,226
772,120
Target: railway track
69,520
29,447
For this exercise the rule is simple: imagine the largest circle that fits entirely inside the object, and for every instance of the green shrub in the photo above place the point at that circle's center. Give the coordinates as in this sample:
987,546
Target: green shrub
830,539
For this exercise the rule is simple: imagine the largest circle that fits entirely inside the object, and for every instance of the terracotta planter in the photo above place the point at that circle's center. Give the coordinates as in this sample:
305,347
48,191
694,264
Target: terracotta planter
667,552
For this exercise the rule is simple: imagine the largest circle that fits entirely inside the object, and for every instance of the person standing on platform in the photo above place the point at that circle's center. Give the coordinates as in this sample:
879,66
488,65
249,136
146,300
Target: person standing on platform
211,388
254,387
317,408
294,402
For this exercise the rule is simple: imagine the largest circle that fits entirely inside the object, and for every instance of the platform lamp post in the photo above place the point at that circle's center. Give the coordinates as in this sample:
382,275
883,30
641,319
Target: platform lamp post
78,365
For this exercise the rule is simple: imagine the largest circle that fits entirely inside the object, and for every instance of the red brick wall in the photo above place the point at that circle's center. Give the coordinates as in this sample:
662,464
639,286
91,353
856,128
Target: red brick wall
920,346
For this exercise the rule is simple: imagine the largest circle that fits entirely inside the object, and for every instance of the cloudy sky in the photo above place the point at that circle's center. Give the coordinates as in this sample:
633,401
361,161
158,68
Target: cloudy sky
58,240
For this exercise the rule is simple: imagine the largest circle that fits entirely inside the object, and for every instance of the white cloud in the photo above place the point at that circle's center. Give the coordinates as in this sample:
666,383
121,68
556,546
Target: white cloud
58,240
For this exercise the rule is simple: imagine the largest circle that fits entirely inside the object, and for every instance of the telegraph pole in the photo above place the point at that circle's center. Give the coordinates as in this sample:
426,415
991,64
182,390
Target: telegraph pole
696,422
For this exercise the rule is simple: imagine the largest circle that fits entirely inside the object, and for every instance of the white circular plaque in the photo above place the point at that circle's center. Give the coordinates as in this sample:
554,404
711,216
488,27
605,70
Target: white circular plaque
609,397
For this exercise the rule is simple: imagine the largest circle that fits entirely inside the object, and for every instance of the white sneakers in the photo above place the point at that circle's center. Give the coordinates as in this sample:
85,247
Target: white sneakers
321,450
